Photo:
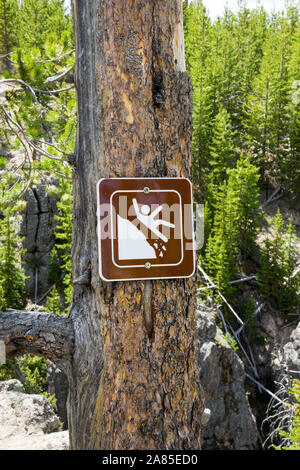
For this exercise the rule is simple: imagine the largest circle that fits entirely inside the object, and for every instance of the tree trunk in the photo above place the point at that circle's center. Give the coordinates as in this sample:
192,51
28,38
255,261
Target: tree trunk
128,389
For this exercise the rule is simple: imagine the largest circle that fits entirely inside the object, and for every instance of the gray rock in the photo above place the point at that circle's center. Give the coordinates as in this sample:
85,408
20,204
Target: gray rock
206,417
12,385
22,414
58,385
232,425
54,441
206,322
37,229
272,347
269,325
292,352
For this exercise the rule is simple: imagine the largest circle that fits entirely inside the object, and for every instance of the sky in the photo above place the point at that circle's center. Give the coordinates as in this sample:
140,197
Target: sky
216,7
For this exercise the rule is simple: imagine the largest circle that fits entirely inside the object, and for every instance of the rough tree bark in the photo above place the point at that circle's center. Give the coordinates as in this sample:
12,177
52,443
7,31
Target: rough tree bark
129,390
42,334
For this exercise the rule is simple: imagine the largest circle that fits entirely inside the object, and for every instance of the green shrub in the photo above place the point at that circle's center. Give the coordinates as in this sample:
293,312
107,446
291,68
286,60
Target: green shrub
279,281
294,433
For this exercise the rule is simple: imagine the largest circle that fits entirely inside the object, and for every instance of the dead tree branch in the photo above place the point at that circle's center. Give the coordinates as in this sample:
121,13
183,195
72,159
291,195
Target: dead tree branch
211,284
9,119
32,90
7,55
53,92
56,59
11,81
42,334
244,279
274,196
59,76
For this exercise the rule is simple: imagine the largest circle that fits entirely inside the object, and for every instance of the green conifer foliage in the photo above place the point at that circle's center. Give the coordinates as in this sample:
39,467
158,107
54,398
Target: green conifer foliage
12,279
269,121
221,251
44,43
235,224
34,23
8,28
247,64
222,154
279,278
46,120
61,253
64,235
40,19
293,435
292,165
244,180
197,25
53,304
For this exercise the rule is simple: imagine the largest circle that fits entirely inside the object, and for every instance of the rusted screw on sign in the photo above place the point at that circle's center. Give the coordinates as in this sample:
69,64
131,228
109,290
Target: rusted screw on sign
146,190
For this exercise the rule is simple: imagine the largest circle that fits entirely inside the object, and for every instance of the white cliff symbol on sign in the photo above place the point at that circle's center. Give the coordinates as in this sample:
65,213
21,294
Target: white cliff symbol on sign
132,243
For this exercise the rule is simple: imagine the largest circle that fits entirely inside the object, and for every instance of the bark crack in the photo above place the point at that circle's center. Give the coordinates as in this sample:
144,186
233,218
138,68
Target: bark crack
158,89
38,214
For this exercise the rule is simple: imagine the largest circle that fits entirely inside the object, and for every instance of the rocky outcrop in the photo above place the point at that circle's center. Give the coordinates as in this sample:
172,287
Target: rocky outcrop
58,386
37,228
22,414
12,386
274,345
291,353
232,425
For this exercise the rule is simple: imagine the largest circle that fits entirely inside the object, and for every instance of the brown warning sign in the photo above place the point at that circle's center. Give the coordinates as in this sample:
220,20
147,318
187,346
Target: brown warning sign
145,228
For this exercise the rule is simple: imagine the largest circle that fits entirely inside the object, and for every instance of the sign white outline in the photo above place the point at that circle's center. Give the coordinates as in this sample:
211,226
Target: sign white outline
113,231
142,267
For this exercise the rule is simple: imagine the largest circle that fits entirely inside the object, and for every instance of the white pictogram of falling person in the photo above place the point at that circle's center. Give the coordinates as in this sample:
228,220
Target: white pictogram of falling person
148,220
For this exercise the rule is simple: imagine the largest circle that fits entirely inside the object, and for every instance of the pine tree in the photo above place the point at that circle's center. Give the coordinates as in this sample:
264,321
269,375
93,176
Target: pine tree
235,224
34,23
220,258
8,28
293,166
12,278
279,278
244,181
197,27
223,59
40,18
64,230
64,237
268,108
247,37
53,304
58,22
257,111
221,151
